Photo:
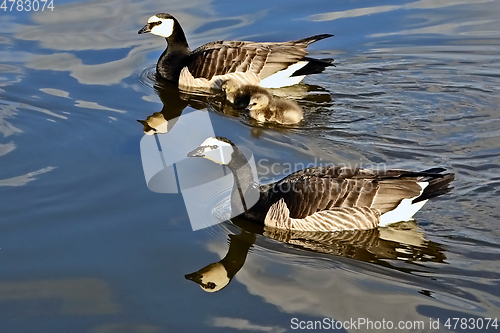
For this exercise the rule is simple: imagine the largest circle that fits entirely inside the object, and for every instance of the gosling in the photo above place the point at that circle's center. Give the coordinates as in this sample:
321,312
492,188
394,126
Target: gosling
265,107
239,95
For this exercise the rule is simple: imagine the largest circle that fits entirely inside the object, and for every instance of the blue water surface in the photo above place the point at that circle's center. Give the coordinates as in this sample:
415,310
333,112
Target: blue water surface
85,246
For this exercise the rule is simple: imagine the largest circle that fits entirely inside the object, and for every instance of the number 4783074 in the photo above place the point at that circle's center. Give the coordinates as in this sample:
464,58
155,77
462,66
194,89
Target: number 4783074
27,5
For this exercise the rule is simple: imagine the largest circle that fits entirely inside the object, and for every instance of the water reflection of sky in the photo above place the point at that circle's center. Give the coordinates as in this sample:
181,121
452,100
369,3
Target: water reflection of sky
107,30
102,26
342,290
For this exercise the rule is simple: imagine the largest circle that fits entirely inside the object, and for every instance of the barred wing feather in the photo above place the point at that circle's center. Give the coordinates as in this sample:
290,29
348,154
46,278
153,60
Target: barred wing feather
262,59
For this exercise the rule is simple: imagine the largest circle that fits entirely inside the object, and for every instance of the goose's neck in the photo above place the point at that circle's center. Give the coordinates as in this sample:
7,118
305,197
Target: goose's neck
175,56
177,40
239,245
243,180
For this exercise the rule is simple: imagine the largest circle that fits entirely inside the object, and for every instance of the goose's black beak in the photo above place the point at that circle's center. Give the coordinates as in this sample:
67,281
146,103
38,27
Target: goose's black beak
198,152
144,29
195,277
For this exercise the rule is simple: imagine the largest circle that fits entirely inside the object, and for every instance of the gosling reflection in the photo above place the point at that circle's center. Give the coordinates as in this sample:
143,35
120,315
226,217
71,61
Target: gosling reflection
216,276
174,102
404,242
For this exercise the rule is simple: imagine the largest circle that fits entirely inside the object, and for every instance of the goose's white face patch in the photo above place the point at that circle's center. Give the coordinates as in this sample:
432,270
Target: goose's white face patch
163,27
215,278
217,151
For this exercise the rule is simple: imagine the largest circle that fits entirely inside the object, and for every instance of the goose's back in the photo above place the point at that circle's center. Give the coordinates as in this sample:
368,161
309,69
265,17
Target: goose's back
321,188
262,59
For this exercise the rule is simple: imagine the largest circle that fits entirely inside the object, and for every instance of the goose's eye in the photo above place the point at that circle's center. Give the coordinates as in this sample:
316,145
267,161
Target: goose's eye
210,285
214,147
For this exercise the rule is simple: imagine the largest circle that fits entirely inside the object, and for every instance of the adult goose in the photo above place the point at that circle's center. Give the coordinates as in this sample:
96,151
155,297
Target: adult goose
271,65
327,198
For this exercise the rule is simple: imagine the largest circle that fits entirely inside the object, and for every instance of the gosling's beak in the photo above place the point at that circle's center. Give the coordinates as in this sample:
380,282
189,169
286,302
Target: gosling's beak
144,30
198,152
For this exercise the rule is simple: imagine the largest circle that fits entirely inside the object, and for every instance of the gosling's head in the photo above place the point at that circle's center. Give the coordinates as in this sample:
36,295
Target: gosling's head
258,101
230,87
216,149
160,24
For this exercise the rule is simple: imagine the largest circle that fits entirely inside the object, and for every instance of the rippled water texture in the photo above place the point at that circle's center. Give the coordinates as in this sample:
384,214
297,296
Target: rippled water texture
85,246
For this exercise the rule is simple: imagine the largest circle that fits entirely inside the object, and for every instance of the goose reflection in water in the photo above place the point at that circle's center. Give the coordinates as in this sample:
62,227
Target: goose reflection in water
403,241
216,276
174,102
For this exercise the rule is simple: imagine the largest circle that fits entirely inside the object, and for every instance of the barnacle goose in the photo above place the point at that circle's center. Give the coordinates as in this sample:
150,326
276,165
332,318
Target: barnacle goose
271,65
330,198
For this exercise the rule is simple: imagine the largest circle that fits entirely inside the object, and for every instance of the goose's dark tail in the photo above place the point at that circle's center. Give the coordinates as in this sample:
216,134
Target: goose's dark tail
314,66
312,39
439,183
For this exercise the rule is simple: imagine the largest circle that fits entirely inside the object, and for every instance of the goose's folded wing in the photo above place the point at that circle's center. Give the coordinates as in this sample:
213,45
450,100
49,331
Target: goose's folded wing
262,59
316,189
333,219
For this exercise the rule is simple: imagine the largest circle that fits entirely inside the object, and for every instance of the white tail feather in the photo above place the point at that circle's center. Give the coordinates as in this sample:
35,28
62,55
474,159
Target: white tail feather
405,210
283,78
